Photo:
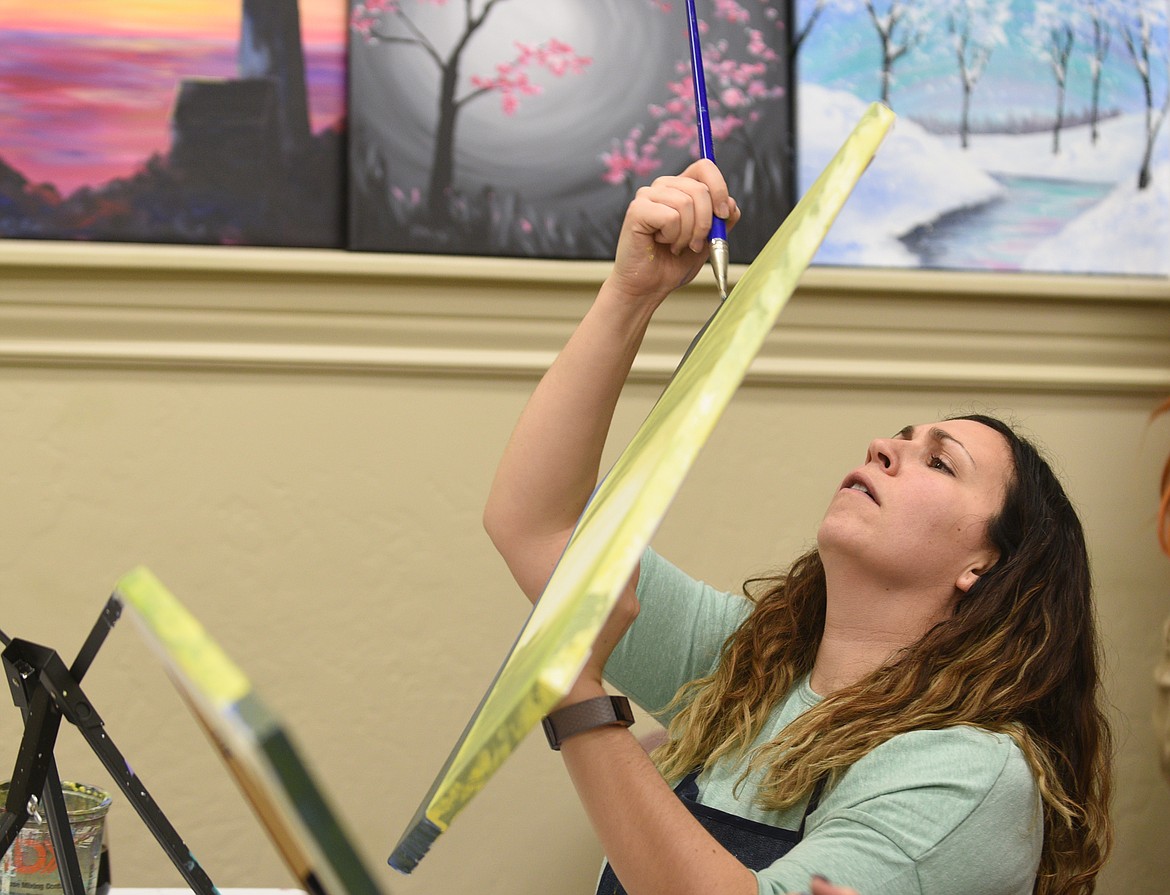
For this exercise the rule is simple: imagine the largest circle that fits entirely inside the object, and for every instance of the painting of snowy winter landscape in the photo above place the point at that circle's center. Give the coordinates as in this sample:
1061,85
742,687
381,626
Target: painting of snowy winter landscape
1030,133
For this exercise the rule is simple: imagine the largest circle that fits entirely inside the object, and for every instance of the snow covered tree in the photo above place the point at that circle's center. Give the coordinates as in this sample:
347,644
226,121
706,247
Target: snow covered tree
1143,27
901,26
1053,31
806,13
1099,38
975,27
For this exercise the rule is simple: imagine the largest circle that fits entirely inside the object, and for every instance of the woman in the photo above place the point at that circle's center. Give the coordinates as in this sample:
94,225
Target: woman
911,708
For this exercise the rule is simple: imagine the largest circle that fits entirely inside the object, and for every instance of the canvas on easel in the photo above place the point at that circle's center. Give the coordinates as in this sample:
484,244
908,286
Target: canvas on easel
629,504
253,742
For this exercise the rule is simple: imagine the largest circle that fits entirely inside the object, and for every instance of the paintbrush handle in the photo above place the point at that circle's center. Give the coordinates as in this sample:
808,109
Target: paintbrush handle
718,233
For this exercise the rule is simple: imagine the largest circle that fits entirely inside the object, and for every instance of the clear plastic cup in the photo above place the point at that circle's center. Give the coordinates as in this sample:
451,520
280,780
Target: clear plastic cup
30,866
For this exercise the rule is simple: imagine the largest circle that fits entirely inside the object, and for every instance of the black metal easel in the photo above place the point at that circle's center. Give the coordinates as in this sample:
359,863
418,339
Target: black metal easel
46,691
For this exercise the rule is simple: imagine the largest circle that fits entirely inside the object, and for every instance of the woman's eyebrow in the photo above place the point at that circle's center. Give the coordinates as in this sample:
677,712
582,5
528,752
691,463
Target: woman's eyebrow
938,435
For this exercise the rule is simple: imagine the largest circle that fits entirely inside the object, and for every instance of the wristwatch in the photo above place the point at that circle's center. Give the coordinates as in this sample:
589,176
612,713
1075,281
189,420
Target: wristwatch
601,711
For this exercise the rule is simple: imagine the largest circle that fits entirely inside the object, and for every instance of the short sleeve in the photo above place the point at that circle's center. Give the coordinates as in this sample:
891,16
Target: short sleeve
677,636
953,811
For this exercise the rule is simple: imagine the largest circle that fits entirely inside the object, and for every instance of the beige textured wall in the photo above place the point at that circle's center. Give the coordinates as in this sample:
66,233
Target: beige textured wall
299,445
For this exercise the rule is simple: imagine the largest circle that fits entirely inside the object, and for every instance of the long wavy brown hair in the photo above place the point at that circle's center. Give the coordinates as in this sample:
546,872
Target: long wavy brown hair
1019,656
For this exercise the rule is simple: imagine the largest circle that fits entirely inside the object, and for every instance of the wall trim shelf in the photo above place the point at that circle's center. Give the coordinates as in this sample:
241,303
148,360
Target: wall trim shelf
107,305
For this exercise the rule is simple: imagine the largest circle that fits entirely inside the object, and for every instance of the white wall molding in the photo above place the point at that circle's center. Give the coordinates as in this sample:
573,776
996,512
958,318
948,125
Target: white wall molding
291,310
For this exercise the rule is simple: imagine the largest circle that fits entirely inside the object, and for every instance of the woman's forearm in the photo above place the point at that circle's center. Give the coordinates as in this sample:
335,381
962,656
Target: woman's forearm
550,465
654,844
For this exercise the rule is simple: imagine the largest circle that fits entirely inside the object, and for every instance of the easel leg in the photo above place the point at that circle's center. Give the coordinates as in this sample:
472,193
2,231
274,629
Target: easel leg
60,832
46,691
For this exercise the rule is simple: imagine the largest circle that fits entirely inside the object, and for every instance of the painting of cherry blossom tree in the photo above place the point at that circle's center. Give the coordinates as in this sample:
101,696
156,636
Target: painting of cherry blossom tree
1031,133
523,127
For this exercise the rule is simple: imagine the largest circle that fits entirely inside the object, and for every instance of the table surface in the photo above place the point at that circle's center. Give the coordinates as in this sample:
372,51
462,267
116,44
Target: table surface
117,890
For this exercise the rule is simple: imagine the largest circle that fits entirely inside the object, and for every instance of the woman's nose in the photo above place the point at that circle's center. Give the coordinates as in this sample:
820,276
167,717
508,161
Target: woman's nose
883,451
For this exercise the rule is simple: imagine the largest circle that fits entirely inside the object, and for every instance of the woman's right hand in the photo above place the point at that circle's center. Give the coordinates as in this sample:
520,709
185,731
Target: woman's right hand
663,241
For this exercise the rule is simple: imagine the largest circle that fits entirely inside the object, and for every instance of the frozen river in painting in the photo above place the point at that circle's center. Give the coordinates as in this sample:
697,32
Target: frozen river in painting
999,234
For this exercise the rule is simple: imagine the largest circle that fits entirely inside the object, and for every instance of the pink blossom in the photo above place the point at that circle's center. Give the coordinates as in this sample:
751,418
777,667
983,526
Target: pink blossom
617,167
677,133
630,158
512,79
738,68
724,126
644,167
733,98
758,47
732,12
362,21
367,14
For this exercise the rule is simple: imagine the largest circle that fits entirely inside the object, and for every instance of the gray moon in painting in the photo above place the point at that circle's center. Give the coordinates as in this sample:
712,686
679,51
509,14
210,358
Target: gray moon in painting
550,148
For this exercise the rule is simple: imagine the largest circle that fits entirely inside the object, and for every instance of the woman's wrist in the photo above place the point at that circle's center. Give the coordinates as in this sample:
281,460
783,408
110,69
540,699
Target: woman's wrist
583,717
630,299
582,690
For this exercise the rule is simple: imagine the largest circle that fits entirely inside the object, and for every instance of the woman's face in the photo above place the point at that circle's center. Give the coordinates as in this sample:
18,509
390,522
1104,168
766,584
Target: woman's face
915,514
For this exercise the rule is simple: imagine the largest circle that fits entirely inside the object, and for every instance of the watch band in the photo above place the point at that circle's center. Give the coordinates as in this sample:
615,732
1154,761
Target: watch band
601,711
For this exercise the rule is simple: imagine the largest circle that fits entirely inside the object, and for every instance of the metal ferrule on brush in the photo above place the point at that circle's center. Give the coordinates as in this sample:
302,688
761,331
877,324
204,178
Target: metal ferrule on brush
719,261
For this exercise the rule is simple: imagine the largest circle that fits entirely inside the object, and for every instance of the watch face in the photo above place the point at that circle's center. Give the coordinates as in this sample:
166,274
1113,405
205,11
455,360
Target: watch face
550,733
621,707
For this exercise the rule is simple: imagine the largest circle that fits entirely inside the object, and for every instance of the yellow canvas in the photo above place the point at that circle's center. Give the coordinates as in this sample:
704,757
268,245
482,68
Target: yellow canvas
252,741
629,504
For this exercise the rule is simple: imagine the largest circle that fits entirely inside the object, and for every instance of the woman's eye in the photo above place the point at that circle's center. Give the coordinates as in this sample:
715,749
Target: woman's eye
937,462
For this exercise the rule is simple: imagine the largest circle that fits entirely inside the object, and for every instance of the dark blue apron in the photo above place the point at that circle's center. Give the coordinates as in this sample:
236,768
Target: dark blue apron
755,844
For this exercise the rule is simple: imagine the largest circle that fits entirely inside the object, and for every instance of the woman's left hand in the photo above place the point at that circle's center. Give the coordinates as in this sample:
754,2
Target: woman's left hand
589,682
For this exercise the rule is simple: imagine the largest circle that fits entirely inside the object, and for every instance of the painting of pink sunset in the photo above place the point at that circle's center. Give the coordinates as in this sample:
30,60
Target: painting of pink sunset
215,121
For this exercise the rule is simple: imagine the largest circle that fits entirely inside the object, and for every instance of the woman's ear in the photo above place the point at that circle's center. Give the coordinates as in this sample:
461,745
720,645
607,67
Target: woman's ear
970,575
967,579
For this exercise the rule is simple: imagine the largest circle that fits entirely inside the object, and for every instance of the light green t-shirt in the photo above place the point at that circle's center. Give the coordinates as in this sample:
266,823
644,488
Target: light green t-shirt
932,812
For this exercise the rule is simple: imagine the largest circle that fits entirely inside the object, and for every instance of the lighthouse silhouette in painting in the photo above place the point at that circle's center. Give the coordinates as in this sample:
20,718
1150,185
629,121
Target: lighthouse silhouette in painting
206,125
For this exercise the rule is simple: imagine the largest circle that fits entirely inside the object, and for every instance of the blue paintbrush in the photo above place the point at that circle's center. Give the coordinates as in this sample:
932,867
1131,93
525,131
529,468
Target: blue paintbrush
718,234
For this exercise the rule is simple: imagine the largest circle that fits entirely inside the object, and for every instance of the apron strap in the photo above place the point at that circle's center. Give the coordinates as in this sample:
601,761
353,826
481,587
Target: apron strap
688,788
755,844
814,801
